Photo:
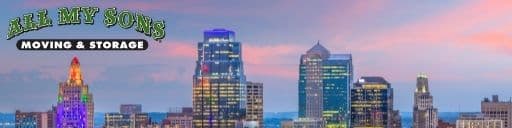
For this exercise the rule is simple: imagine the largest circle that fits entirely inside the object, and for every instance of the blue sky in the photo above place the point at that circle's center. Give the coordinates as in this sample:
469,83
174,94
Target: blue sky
464,47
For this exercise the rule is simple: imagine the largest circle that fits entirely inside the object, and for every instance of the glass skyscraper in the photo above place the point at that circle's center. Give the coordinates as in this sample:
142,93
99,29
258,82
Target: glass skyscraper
75,106
372,103
324,84
219,90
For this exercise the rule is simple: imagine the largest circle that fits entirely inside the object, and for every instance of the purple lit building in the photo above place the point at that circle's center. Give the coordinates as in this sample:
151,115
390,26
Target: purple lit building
75,107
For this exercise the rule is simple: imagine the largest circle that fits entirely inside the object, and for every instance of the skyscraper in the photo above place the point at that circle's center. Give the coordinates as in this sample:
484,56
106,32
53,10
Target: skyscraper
255,103
75,106
219,91
372,103
324,84
424,113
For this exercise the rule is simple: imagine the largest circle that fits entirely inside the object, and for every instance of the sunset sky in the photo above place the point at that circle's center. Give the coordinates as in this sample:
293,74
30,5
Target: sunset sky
465,47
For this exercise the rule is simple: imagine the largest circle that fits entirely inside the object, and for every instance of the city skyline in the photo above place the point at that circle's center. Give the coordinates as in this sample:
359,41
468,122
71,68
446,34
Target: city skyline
453,42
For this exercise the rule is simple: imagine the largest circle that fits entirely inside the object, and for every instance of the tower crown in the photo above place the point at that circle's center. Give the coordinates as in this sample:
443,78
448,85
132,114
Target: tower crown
75,74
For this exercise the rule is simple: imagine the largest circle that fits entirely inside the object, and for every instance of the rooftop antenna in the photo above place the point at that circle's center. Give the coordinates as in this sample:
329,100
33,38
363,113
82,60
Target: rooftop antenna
318,42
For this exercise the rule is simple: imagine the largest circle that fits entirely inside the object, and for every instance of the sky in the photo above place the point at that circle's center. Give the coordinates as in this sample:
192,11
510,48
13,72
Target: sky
463,45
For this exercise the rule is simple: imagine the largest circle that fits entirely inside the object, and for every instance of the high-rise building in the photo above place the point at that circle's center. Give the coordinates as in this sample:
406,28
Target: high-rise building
219,90
477,120
424,112
372,103
179,119
255,103
75,106
324,84
497,110
130,108
33,119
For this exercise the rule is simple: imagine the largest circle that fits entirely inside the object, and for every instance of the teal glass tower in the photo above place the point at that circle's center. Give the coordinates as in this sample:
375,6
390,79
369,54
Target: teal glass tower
324,86
219,90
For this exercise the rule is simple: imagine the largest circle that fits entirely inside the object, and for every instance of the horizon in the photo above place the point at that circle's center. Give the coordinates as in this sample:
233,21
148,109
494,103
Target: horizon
454,42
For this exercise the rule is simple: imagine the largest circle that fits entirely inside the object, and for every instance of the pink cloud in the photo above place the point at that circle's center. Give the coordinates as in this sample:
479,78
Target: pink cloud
175,49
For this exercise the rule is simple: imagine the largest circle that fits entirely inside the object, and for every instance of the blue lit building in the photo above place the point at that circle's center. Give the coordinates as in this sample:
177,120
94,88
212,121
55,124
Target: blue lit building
324,84
75,107
219,90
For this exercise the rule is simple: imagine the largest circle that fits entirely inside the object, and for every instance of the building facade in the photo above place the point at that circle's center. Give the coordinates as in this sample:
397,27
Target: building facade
477,120
308,123
255,103
219,90
324,84
130,108
34,119
424,112
119,120
372,103
497,110
179,119
75,106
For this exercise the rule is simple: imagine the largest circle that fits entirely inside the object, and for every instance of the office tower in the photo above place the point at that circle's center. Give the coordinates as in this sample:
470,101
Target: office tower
424,113
179,119
324,84
477,120
372,103
255,103
32,119
130,108
135,120
219,97
75,106
496,109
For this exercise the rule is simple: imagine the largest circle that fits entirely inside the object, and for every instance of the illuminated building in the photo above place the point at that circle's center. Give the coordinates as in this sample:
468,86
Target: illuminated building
130,116
219,91
477,120
34,119
372,103
497,110
255,103
324,84
424,113
179,119
75,106
130,108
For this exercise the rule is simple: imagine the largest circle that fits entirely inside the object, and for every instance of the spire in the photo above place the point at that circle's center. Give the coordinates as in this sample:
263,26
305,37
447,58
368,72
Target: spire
319,49
75,75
